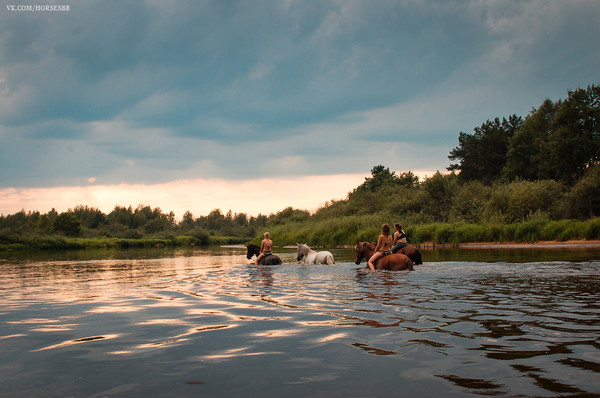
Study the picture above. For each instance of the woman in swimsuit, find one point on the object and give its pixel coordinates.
(265, 248)
(399, 238)
(384, 244)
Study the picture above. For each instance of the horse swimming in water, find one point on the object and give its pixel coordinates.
(312, 257)
(392, 262)
(254, 250)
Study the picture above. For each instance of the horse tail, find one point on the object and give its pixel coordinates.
(418, 259)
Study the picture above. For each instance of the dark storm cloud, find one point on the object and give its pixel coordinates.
(139, 91)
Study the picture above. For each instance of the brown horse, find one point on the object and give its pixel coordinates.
(413, 253)
(392, 262)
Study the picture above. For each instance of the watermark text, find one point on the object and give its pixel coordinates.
(38, 8)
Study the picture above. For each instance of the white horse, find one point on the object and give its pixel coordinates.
(312, 257)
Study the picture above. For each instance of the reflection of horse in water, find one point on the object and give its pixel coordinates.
(392, 262)
(312, 257)
(271, 259)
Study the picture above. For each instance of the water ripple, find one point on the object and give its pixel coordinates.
(448, 328)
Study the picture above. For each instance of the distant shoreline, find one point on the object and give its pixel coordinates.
(544, 245)
(550, 244)
(569, 244)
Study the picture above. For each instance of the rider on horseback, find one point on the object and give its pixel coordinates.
(265, 248)
(384, 244)
(399, 238)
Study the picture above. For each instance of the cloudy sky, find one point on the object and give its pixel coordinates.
(256, 105)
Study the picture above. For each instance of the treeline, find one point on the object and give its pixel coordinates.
(515, 179)
(558, 141)
(443, 209)
(86, 226)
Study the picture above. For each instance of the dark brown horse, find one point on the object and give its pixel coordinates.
(254, 250)
(392, 262)
(413, 253)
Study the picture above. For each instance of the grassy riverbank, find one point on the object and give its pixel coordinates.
(338, 231)
(344, 231)
(347, 230)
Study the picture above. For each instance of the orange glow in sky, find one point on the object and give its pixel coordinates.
(199, 196)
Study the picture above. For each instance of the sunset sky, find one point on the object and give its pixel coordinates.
(254, 105)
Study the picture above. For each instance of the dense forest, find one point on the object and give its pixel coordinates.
(513, 179)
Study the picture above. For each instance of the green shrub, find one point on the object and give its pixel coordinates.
(464, 233)
(592, 229)
(470, 201)
(422, 233)
(201, 236)
(444, 233)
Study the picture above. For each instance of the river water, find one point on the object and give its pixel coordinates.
(167, 323)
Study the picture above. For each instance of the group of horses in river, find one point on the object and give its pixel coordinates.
(404, 259)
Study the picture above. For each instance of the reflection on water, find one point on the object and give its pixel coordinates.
(205, 322)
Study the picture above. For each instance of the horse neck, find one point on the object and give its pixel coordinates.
(306, 250)
(368, 250)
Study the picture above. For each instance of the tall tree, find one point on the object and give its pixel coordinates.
(68, 224)
(381, 176)
(482, 155)
(528, 149)
(187, 221)
(575, 136)
(558, 141)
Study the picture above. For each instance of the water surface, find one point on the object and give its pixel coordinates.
(208, 323)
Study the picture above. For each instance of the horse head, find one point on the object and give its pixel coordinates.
(362, 250)
(302, 250)
(358, 252)
(252, 251)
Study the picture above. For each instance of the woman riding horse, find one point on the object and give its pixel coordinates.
(253, 250)
(399, 238)
(384, 246)
(392, 262)
(401, 246)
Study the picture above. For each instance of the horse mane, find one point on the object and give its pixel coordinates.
(252, 245)
(371, 245)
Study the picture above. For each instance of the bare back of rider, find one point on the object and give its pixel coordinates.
(384, 245)
(266, 247)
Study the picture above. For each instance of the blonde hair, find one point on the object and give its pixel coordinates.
(267, 235)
